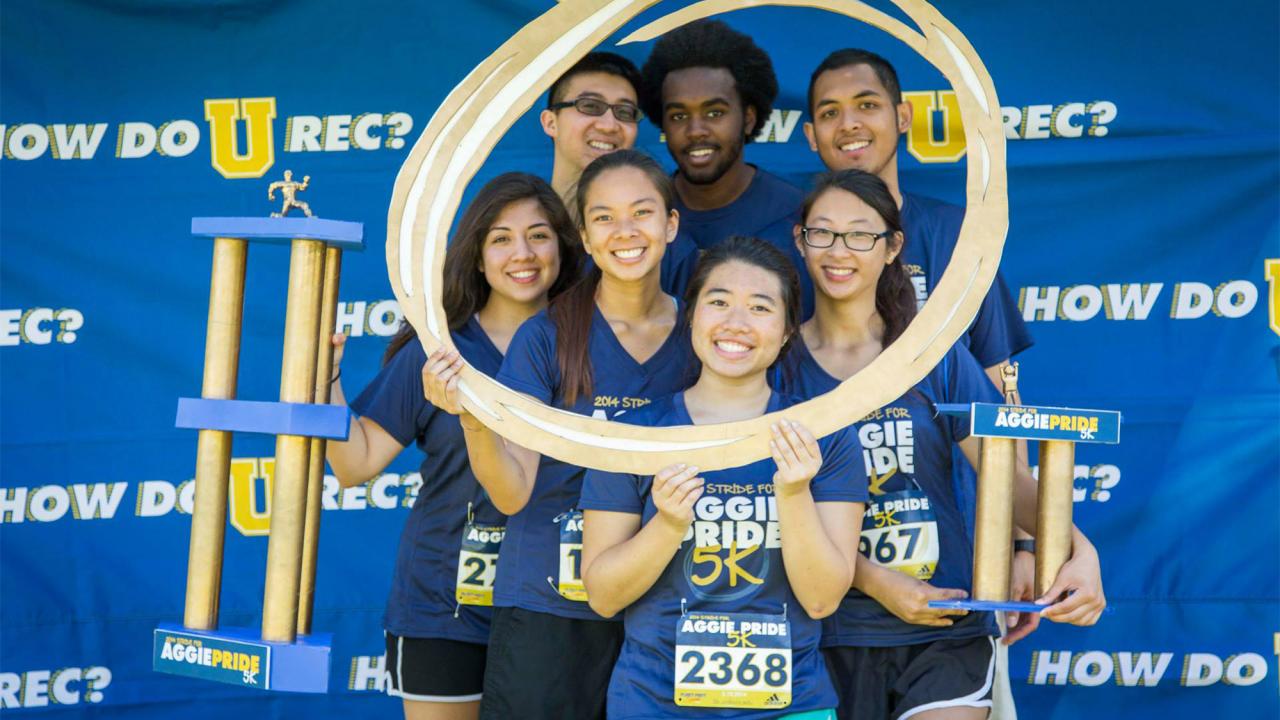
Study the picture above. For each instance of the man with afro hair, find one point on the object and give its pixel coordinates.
(710, 89)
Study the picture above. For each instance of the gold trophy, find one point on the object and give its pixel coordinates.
(1000, 427)
(283, 654)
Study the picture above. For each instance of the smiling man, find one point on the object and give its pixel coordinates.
(710, 88)
(592, 111)
(857, 118)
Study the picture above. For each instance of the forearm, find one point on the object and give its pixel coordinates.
(624, 572)
(819, 573)
(872, 579)
(350, 460)
(497, 468)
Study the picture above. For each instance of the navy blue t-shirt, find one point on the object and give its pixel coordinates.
(678, 262)
(932, 229)
(914, 522)
(422, 602)
(529, 568)
(713, 573)
(768, 209)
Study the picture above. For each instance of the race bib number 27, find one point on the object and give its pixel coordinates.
(478, 563)
(733, 660)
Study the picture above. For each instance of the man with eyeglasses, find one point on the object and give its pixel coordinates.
(592, 111)
(710, 89)
(857, 116)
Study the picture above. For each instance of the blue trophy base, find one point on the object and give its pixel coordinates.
(988, 605)
(239, 656)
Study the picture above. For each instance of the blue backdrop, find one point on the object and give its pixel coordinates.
(1143, 173)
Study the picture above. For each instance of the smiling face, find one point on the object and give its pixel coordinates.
(855, 122)
(739, 320)
(705, 122)
(520, 258)
(838, 272)
(581, 138)
(626, 224)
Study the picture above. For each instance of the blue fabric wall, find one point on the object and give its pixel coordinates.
(1159, 188)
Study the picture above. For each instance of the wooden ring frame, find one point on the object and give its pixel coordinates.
(480, 110)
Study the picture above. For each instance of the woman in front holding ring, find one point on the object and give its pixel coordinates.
(722, 575)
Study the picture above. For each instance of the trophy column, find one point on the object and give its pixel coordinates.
(213, 453)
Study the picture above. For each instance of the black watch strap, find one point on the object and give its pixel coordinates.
(1024, 546)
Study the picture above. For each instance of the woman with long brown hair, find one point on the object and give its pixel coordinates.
(514, 248)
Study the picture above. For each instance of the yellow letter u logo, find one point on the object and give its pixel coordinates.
(224, 146)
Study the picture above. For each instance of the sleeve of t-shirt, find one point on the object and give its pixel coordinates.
(678, 263)
(530, 363)
(843, 476)
(394, 399)
(966, 382)
(611, 491)
(998, 333)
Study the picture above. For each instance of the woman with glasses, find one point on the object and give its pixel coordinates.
(890, 654)
(611, 343)
(515, 247)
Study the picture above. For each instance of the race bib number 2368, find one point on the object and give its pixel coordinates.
(733, 660)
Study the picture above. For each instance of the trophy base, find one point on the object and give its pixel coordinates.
(988, 605)
(239, 656)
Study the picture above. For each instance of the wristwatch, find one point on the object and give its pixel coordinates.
(1025, 546)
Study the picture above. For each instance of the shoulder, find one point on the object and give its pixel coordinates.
(958, 370)
(410, 355)
(921, 210)
(538, 329)
(931, 206)
(779, 191)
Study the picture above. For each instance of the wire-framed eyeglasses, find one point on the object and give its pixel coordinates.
(595, 107)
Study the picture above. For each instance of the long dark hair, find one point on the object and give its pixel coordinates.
(465, 289)
(895, 295)
(572, 311)
(761, 254)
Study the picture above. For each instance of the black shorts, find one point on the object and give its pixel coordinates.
(434, 669)
(895, 683)
(543, 666)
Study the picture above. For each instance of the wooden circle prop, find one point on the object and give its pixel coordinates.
(476, 114)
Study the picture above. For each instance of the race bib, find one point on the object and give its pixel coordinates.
(570, 584)
(900, 532)
(733, 660)
(478, 563)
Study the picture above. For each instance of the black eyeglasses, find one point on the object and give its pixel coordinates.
(595, 107)
(856, 240)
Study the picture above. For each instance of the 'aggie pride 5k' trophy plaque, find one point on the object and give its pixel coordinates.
(284, 654)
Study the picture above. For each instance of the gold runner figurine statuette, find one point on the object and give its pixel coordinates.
(289, 189)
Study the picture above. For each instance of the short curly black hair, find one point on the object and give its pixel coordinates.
(710, 43)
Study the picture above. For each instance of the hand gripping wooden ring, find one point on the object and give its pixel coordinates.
(474, 117)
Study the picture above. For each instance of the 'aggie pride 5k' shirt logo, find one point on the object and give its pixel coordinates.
(734, 525)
